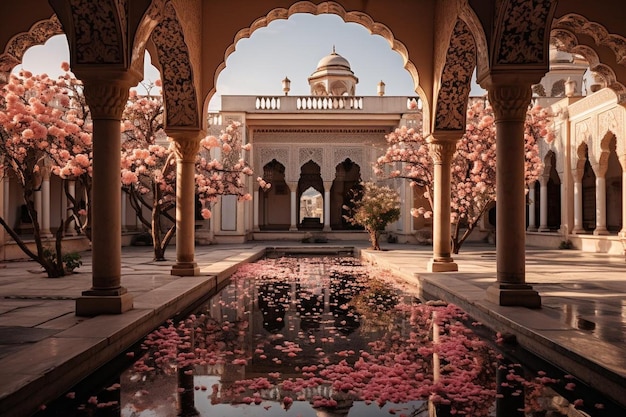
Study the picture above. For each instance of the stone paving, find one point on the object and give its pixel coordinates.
(45, 348)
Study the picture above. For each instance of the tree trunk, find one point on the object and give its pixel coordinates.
(374, 238)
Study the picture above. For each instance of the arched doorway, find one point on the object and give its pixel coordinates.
(589, 195)
(310, 189)
(274, 207)
(614, 189)
(345, 185)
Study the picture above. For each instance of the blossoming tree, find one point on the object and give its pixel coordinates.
(473, 190)
(374, 207)
(149, 168)
(45, 129)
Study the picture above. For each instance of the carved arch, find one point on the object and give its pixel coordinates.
(456, 79)
(38, 34)
(581, 158)
(179, 89)
(571, 30)
(468, 15)
(329, 7)
(605, 150)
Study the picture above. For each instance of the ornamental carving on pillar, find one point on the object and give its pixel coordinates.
(510, 102)
(456, 79)
(441, 151)
(519, 36)
(179, 90)
(106, 98)
(187, 149)
(99, 31)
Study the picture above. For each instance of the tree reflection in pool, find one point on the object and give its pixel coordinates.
(323, 336)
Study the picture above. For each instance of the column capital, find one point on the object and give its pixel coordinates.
(441, 151)
(106, 98)
(186, 143)
(510, 102)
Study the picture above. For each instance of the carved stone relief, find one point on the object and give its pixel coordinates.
(98, 32)
(179, 90)
(519, 38)
(456, 80)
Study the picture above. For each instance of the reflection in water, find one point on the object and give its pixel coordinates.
(324, 336)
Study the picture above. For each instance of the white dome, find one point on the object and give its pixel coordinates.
(333, 60)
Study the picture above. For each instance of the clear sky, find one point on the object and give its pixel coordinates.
(285, 48)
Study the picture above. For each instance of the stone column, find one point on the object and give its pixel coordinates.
(327, 186)
(187, 146)
(578, 205)
(532, 221)
(255, 210)
(510, 102)
(622, 160)
(600, 206)
(543, 204)
(45, 203)
(123, 211)
(441, 149)
(293, 187)
(106, 95)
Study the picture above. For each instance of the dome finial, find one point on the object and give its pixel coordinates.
(334, 53)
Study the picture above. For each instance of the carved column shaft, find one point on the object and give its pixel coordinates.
(532, 201)
(543, 204)
(293, 187)
(600, 207)
(441, 150)
(106, 97)
(510, 104)
(327, 186)
(187, 146)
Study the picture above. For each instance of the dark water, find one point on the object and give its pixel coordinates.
(326, 336)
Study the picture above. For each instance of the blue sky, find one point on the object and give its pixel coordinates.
(285, 48)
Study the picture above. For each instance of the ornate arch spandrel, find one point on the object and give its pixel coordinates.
(38, 34)
(99, 32)
(179, 90)
(521, 33)
(572, 30)
(456, 79)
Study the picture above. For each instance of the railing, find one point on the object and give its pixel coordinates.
(374, 104)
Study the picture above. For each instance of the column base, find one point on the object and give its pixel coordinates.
(94, 305)
(578, 231)
(293, 228)
(600, 231)
(543, 229)
(521, 295)
(442, 266)
(531, 229)
(185, 269)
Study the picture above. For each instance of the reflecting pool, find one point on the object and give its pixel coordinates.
(327, 336)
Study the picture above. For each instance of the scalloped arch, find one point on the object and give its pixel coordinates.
(565, 31)
(38, 34)
(330, 7)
